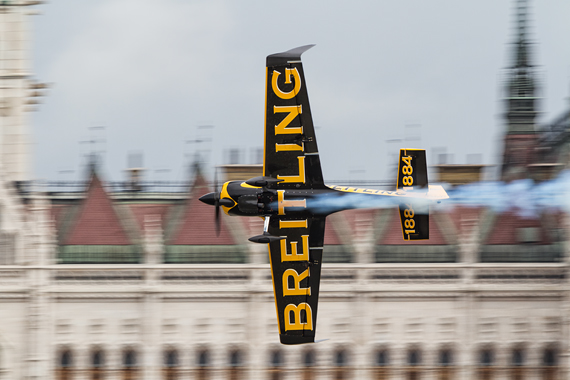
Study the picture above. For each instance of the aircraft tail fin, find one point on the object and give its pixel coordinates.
(412, 170)
(412, 177)
(414, 218)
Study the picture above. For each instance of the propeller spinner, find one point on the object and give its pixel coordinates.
(213, 199)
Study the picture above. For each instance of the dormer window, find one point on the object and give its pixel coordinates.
(528, 235)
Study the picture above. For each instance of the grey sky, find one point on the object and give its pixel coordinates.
(151, 72)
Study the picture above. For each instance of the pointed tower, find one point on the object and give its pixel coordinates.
(521, 103)
(18, 92)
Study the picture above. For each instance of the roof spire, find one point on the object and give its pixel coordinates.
(521, 101)
(521, 52)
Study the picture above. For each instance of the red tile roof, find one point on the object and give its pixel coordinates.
(331, 237)
(140, 211)
(252, 225)
(56, 212)
(465, 218)
(360, 222)
(196, 225)
(506, 225)
(97, 222)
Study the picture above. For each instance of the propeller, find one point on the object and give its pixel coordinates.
(217, 203)
(213, 199)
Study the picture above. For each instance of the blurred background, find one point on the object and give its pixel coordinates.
(115, 115)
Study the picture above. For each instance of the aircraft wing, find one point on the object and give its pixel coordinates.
(290, 152)
(296, 273)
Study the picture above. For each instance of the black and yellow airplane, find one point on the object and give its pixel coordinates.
(294, 200)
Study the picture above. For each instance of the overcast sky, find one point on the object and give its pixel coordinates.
(383, 75)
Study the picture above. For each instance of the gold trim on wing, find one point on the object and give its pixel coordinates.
(434, 192)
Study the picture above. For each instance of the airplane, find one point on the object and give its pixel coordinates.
(294, 201)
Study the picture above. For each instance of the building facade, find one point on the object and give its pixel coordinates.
(130, 281)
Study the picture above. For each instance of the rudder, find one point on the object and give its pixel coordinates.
(412, 176)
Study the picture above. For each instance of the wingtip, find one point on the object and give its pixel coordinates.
(287, 56)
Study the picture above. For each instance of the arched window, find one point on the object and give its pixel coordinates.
(65, 359)
(340, 361)
(414, 362)
(203, 365)
(517, 363)
(445, 363)
(549, 364)
(308, 361)
(486, 361)
(97, 364)
(97, 359)
(64, 365)
(203, 358)
(235, 358)
(236, 362)
(129, 364)
(309, 358)
(381, 361)
(170, 364)
(275, 364)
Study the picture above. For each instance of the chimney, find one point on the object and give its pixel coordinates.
(134, 172)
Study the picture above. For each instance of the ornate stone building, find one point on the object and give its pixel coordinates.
(130, 281)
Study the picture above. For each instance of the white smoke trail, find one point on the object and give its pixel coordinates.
(347, 201)
(526, 198)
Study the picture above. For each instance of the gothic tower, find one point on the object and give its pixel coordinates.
(18, 92)
(521, 103)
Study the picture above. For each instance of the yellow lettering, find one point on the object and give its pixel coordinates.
(292, 112)
(289, 147)
(295, 178)
(288, 73)
(293, 256)
(296, 309)
(282, 203)
(293, 223)
(297, 278)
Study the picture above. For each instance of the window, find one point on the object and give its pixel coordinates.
(486, 360)
(203, 372)
(170, 364)
(382, 361)
(340, 363)
(445, 363)
(64, 365)
(414, 359)
(236, 363)
(276, 362)
(549, 364)
(129, 364)
(97, 365)
(517, 363)
(308, 361)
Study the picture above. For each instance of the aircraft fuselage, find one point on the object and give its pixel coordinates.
(257, 201)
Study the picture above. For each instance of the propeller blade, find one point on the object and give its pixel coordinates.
(217, 203)
(218, 226)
